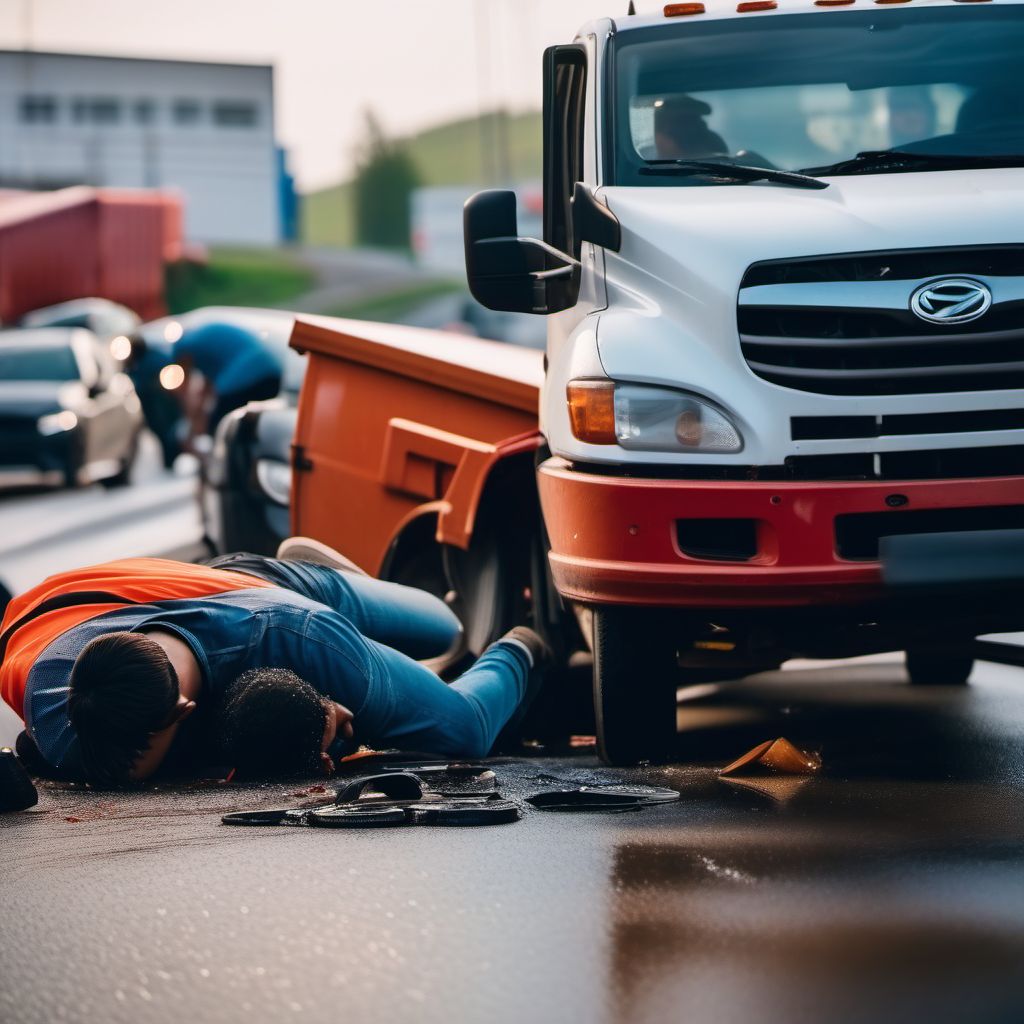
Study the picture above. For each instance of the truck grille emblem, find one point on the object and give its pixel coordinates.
(953, 300)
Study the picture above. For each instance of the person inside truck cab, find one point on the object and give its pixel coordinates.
(993, 108)
(680, 131)
(117, 668)
(912, 115)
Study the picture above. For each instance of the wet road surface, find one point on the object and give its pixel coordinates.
(890, 889)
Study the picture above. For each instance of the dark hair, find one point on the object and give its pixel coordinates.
(272, 723)
(122, 690)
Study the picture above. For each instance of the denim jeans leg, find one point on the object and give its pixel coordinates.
(413, 621)
(420, 712)
(410, 620)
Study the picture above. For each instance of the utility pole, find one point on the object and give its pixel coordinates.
(27, 11)
(481, 16)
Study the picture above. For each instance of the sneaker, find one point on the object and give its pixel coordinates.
(542, 657)
(305, 549)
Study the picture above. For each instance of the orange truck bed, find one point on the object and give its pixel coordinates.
(396, 423)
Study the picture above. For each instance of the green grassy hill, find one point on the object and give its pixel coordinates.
(450, 154)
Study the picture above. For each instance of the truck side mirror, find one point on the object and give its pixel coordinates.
(593, 221)
(506, 272)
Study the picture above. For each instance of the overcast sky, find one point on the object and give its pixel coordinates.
(415, 62)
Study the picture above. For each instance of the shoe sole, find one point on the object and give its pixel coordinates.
(305, 549)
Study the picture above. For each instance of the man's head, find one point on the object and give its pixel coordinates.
(680, 131)
(274, 723)
(123, 690)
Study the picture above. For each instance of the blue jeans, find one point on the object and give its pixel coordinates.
(412, 708)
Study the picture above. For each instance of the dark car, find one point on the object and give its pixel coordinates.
(248, 478)
(66, 411)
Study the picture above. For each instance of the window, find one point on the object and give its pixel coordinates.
(96, 110)
(38, 363)
(104, 110)
(235, 114)
(145, 111)
(186, 112)
(38, 109)
(940, 81)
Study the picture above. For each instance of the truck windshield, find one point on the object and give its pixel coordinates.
(812, 92)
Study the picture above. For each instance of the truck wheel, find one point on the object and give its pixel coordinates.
(932, 667)
(635, 676)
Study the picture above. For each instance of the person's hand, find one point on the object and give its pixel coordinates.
(339, 723)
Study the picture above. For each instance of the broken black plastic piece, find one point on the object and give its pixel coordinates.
(17, 791)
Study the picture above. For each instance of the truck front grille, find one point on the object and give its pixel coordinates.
(842, 325)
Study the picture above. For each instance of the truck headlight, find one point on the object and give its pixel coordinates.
(57, 423)
(275, 479)
(639, 417)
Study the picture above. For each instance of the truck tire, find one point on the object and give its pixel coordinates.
(635, 677)
(935, 667)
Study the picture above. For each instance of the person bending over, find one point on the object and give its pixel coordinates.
(237, 366)
(120, 668)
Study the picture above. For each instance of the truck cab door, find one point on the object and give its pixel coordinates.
(566, 114)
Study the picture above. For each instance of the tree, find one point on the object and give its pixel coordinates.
(384, 179)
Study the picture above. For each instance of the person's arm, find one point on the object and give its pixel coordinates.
(196, 397)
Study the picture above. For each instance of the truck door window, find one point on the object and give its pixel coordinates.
(800, 91)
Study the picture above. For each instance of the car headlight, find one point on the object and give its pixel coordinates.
(639, 417)
(275, 479)
(56, 423)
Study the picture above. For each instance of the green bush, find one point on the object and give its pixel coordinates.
(237, 277)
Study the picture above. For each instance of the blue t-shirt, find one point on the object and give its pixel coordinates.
(232, 357)
(228, 634)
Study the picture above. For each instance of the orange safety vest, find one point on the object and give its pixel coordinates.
(135, 580)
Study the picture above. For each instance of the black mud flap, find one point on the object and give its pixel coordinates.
(983, 558)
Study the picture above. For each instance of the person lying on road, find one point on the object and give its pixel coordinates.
(114, 667)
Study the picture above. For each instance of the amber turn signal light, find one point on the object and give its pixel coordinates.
(592, 410)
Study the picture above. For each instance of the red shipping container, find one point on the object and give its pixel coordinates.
(82, 242)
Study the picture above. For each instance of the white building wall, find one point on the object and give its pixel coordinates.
(227, 173)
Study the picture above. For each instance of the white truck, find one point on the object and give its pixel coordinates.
(783, 403)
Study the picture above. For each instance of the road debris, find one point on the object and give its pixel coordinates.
(394, 798)
(17, 793)
(606, 799)
(775, 756)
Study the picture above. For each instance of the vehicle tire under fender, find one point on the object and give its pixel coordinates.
(938, 667)
(635, 679)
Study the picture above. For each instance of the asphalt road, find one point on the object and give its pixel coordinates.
(891, 888)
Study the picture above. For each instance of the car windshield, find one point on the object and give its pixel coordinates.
(804, 92)
(44, 363)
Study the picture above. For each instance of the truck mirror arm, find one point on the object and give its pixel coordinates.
(592, 221)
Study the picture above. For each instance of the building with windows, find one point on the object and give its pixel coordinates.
(204, 129)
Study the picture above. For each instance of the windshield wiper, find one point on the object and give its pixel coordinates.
(873, 161)
(738, 172)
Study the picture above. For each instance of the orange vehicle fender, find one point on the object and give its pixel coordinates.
(412, 451)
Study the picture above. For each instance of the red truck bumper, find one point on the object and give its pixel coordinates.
(622, 540)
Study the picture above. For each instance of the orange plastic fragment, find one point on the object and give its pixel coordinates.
(779, 756)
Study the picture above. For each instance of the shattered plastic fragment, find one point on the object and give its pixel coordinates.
(779, 756)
